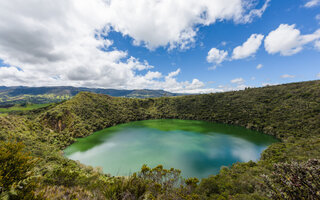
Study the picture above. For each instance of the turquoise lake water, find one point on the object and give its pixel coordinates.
(197, 148)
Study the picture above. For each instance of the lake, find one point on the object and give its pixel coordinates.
(197, 148)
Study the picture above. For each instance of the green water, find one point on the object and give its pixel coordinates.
(197, 148)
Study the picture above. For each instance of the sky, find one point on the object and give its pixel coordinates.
(184, 46)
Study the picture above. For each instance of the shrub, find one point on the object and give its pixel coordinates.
(295, 180)
(16, 181)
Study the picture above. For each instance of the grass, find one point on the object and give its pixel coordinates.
(4, 111)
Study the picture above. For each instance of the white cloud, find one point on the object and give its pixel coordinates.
(259, 66)
(318, 75)
(61, 43)
(153, 75)
(232, 87)
(312, 3)
(216, 56)
(287, 40)
(255, 12)
(155, 23)
(249, 48)
(65, 42)
(238, 81)
(287, 76)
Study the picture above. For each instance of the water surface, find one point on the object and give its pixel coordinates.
(197, 148)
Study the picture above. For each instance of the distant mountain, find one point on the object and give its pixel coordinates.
(22, 94)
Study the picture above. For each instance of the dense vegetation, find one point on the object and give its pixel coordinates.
(290, 112)
(20, 108)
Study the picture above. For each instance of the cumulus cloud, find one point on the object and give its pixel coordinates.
(61, 43)
(238, 81)
(153, 75)
(287, 40)
(155, 23)
(287, 76)
(216, 56)
(259, 66)
(65, 42)
(249, 48)
(312, 3)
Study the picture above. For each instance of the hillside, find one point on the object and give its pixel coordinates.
(37, 95)
(290, 112)
(284, 111)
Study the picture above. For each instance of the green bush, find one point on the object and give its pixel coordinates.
(294, 180)
(16, 181)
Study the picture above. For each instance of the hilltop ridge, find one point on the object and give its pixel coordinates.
(22, 94)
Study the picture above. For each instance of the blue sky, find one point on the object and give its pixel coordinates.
(304, 65)
(136, 44)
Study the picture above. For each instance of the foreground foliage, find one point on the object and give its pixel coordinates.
(16, 181)
(292, 180)
(289, 112)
